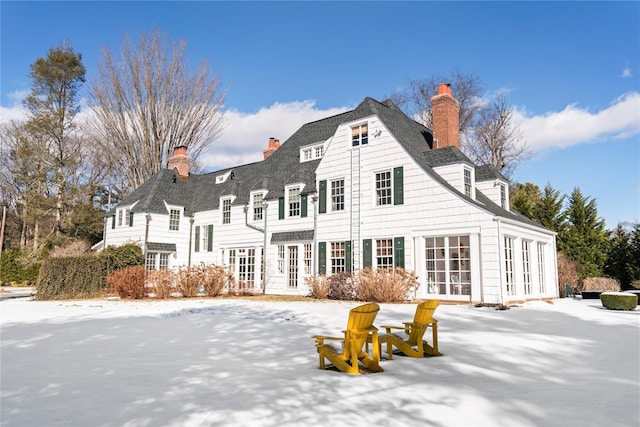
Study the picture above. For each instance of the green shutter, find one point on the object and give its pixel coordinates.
(210, 238)
(398, 252)
(303, 206)
(281, 208)
(130, 219)
(113, 221)
(322, 208)
(347, 256)
(196, 246)
(366, 253)
(322, 257)
(398, 186)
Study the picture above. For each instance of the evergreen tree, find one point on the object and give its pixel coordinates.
(550, 213)
(584, 240)
(634, 255)
(526, 199)
(619, 263)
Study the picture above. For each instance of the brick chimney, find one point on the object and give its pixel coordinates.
(179, 161)
(274, 144)
(444, 119)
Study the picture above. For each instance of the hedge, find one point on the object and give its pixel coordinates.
(70, 278)
(619, 300)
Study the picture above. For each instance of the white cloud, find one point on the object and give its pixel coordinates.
(575, 125)
(626, 72)
(246, 135)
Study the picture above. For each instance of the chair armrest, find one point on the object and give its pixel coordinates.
(321, 338)
(389, 328)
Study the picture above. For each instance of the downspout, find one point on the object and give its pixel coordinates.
(500, 260)
(314, 252)
(264, 241)
(191, 220)
(146, 234)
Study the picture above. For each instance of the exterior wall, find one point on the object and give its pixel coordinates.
(492, 191)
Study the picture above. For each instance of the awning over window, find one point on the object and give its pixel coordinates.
(161, 247)
(292, 236)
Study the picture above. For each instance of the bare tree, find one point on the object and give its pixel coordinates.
(148, 102)
(496, 139)
(488, 131)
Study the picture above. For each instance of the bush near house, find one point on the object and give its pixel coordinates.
(385, 285)
(162, 283)
(70, 278)
(216, 279)
(318, 286)
(128, 282)
(605, 284)
(342, 286)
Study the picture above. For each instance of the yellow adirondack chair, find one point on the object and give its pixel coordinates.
(359, 329)
(413, 344)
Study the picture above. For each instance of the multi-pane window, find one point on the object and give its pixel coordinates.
(280, 259)
(174, 219)
(246, 268)
(459, 265)
(383, 188)
(541, 278)
(120, 213)
(307, 258)
(448, 265)
(319, 151)
(292, 277)
(232, 260)
(204, 235)
(337, 195)
(307, 153)
(503, 196)
(150, 261)
(467, 182)
(226, 211)
(384, 253)
(359, 135)
(164, 261)
(257, 207)
(337, 257)
(526, 266)
(508, 259)
(294, 202)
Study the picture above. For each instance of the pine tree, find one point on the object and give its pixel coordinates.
(584, 240)
(526, 199)
(619, 263)
(550, 213)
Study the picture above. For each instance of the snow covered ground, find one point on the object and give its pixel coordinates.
(228, 362)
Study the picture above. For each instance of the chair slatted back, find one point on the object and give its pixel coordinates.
(421, 320)
(359, 325)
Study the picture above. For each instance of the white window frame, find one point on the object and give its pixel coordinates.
(526, 267)
(337, 257)
(225, 209)
(281, 259)
(294, 202)
(257, 200)
(504, 201)
(308, 258)
(337, 194)
(360, 135)
(384, 253)
(380, 179)
(174, 219)
(467, 181)
(542, 286)
(509, 265)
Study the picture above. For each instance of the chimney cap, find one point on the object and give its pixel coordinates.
(445, 88)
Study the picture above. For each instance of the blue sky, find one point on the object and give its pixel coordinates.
(571, 69)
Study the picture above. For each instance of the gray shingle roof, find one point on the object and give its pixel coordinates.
(292, 236)
(283, 167)
(161, 247)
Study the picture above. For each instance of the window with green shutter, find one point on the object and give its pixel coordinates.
(210, 238)
(366, 253)
(196, 238)
(322, 207)
(398, 252)
(303, 205)
(130, 219)
(347, 256)
(322, 257)
(398, 186)
(281, 208)
(113, 221)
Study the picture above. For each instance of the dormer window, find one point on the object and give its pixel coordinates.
(359, 135)
(467, 182)
(223, 178)
(313, 152)
(294, 201)
(503, 196)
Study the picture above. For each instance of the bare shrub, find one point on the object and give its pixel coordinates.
(71, 249)
(342, 286)
(216, 279)
(386, 285)
(605, 284)
(567, 274)
(318, 286)
(190, 279)
(128, 282)
(162, 283)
